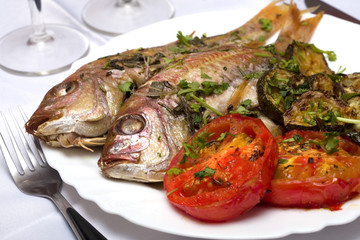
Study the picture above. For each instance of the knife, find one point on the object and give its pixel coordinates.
(330, 10)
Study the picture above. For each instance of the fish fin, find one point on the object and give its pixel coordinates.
(252, 34)
(296, 29)
(87, 142)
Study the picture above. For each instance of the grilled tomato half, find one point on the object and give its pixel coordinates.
(223, 170)
(315, 169)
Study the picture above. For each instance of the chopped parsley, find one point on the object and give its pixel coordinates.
(291, 65)
(244, 107)
(330, 143)
(262, 55)
(270, 48)
(266, 24)
(252, 75)
(296, 138)
(175, 64)
(199, 142)
(348, 96)
(204, 75)
(169, 60)
(174, 171)
(282, 161)
(194, 90)
(223, 135)
(331, 54)
(183, 39)
(126, 87)
(207, 172)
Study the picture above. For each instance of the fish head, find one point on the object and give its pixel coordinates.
(142, 141)
(81, 107)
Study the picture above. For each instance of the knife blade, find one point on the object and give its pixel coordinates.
(328, 9)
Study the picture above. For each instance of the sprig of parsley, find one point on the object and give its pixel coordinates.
(194, 90)
(183, 39)
(330, 143)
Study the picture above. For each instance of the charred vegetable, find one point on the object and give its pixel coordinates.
(223, 170)
(315, 169)
(351, 86)
(315, 110)
(324, 82)
(277, 89)
(309, 58)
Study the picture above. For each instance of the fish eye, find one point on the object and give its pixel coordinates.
(131, 124)
(67, 88)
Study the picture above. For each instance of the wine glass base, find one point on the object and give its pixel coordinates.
(107, 17)
(17, 55)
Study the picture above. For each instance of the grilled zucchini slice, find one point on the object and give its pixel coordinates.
(316, 110)
(277, 89)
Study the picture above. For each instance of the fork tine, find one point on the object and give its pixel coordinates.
(23, 146)
(7, 148)
(32, 143)
(5, 156)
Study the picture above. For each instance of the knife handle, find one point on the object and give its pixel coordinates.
(82, 229)
(87, 231)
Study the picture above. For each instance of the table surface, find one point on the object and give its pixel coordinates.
(24, 216)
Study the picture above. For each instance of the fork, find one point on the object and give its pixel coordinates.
(33, 175)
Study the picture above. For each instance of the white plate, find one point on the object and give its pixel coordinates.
(146, 204)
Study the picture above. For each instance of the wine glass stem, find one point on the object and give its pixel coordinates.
(124, 3)
(39, 34)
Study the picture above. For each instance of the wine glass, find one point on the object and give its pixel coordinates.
(40, 50)
(119, 16)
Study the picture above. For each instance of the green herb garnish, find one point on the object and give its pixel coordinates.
(223, 135)
(348, 96)
(266, 24)
(193, 90)
(243, 108)
(295, 138)
(174, 171)
(282, 161)
(207, 172)
(331, 54)
(330, 143)
(184, 40)
(204, 75)
(126, 87)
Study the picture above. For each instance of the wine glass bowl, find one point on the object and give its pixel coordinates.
(40, 50)
(120, 16)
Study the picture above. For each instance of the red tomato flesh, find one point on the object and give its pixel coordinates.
(229, 176)
(308, 177)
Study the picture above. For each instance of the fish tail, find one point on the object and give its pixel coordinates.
(256, 30)
(253, 33)
(295, 28)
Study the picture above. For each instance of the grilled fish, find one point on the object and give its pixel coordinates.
(80, 110)
(148, 133)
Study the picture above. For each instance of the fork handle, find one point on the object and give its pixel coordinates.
(82, 229)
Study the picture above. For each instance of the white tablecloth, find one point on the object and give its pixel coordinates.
(27, 217)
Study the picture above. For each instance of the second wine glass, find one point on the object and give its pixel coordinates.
(121, 16)
(40, 49)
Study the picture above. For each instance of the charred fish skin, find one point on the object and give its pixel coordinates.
(62, 122)
(155, 139)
